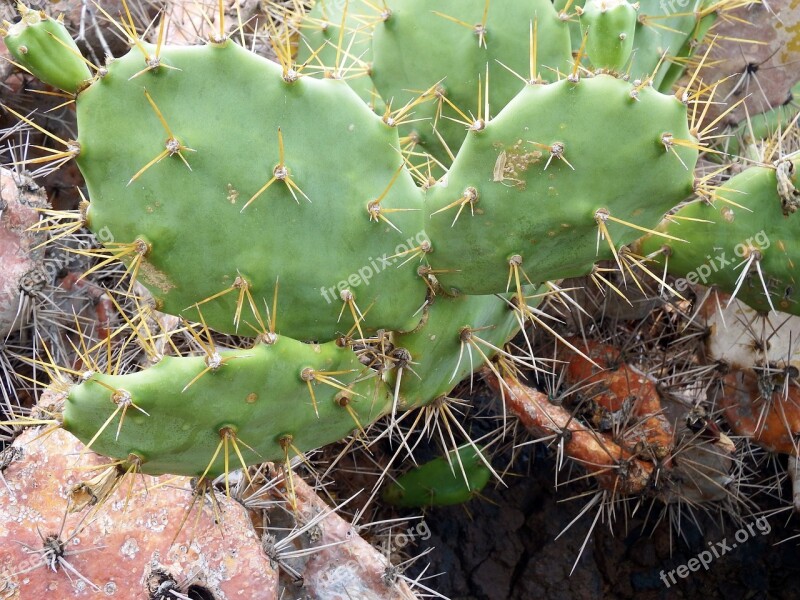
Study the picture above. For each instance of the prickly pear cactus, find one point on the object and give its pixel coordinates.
(443, 481)
(336, 42)
(741, 243)
(666, 34)
(352, 232)
(455, 334)
(552, 178)
(609, 27)
(43, 45)
(367, 286)
(193, 416)
(269, 179)
(474, 39)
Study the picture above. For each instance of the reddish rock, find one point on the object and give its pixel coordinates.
(21, 261)
(117, 551)
(338, 563)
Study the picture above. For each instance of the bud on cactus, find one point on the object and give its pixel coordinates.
(42, 45)
(609, 26)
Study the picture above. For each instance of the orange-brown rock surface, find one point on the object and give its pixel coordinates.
(121, 550)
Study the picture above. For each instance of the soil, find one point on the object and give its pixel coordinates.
(503, 545)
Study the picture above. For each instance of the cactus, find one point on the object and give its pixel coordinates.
(443, 481)
(168, 419)
(746, 136)
(337, 42)
(534, 174)
(370, 252)
(47, 50)
(472, 37)
(456, 336)
(605, 20)
(742, 243)
(359, 194)
(153, 142)
(666, 34)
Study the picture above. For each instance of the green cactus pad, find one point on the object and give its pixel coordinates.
(539, 172)
(697, 36)
(319, 49)
(440, 482)
(417, 46)
(745, 137)
(440, 349)
(726, 237)
(42, 45)
(226, 109)
(260, 394)
(665, 28)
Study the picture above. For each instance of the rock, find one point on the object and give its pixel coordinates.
(121, 549)
(22, 262)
